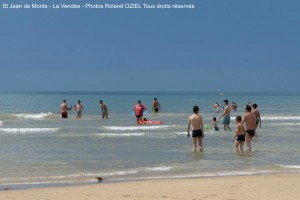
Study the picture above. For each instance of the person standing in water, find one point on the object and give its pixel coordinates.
(156, 106)
(196, 122)
(64, 109)
(78, 108)
(239, 137)
(256, 112)
(249, 121)
(226, 115)
(139, 109)
(104, 109)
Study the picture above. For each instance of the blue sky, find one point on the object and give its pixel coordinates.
(222, 45)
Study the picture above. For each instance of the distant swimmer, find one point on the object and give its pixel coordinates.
(78, 109)
(64, 109)
(226, 115)
(256, 112)
(196, 122)
(233, 106)
(217, 107)
(139, 109)
(239, 137)
(214, 123)
(249, 121)
(104, 109)
(156, 106)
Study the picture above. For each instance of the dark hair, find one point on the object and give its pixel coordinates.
(79, 101)
(254, 105)
(248, 108)
(238, 118)
(226, 101)
(215, 119)
(196, 109)
(139, 101)
(155, 99)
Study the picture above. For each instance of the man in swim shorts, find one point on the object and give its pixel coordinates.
(256, 112)
(104, 109)
(249, 121)
(226, 115)
(64, 108)
(196, 122)
(155, 106)
(139, 109)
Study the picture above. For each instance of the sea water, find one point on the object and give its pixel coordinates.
(39, 149)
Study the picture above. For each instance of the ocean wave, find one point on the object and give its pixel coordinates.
(158, 168)
(289, 124)
(28, 130)
(290, 166)
(119, 134)
(133, 128)
(33, 116)
(279, 118)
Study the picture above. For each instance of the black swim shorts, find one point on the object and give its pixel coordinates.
(251, 132)
(197, 133)
(240, 138)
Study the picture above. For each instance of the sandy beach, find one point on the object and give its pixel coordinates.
(272, 186)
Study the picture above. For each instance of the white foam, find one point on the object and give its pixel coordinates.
(33, 116)
(120, 134)
(290, 124)
(158, 168)
(28, 130)
(290, 166)
(133, 128)
(281, 118)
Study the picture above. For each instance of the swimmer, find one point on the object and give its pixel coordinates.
(64, 109)
(256, 112)
(78, 109)
(104, 109)
(249, 121)
(214, 123)
(239, 137)
(226, 115)
(139, 109)
(196, 122)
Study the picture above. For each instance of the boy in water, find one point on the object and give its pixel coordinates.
(196, 122)
(104, 109)
(226, 115)
(256, 112)
(239, 135)
(78, 109)
(215, 124)
(155, 106)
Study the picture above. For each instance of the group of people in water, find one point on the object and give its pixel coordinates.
(246, 125)
(139, 109)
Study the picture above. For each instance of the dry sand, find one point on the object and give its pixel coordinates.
(273, 187)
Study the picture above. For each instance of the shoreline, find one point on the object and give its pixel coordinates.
(264, 186)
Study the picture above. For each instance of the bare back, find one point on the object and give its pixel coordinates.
(196, 122)
(249, 121)
(227, 111)
(63, 107)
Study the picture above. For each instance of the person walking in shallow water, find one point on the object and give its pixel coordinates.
(256, 112)
(64, 109)
(78, 108)
(226, 115)
(249, 121)
(155, 106)
(196, 122)
(104, 109)
(139, 109)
